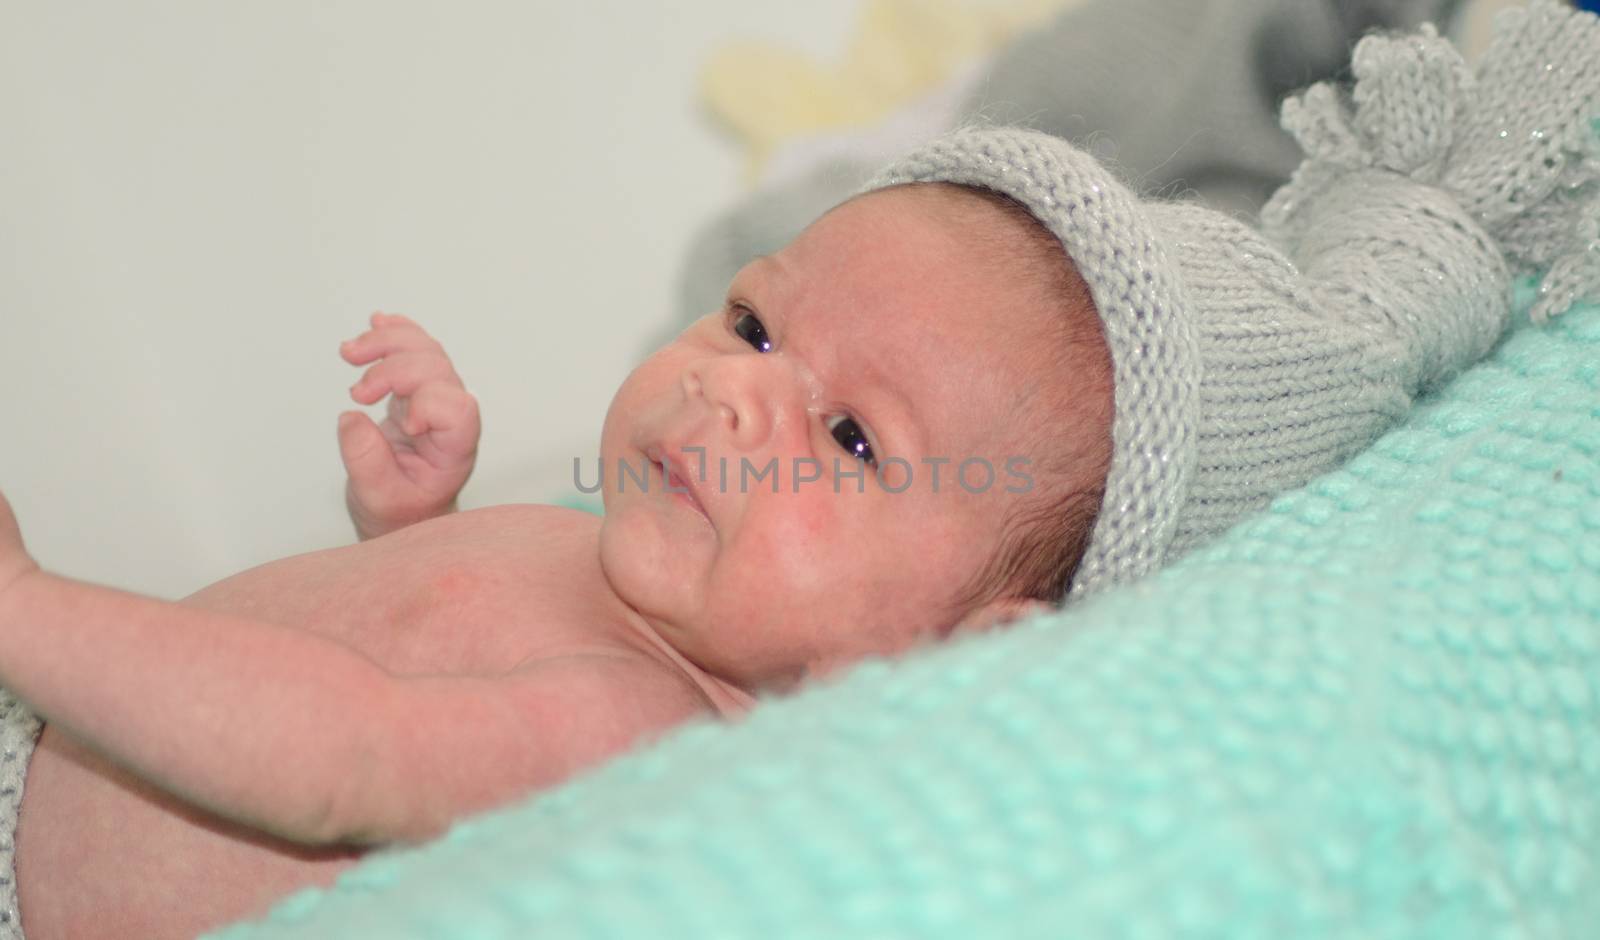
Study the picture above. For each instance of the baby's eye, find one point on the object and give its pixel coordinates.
(852, 438)
(750, 329)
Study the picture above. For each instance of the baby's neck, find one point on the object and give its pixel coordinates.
(728, 699)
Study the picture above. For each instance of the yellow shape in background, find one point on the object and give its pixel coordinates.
(767, 95)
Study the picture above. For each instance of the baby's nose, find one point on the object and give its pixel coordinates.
(737, 395)
(753, 396)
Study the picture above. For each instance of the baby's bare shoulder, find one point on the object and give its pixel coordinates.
(583, 708)
(610, 675)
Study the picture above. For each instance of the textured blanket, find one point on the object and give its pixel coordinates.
(1371, 711)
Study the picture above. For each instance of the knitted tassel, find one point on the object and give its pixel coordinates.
(1516, 143)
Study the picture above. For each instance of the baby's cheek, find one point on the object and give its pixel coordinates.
(948, 530)
(814, 518)
(800, 536)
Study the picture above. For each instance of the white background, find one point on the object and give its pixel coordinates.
(200, 200)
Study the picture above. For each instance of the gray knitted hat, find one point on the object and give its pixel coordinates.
(1247, 362)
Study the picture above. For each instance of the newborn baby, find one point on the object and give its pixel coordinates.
(1134, 375)
(248, 740)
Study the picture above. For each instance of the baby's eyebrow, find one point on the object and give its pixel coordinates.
(758, 271)
(778, 270)
(886, 395)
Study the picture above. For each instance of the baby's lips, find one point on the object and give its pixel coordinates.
(675, 475)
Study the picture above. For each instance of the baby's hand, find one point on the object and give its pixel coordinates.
(14, 559)
(410, 467)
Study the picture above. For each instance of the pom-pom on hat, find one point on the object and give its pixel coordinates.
(1247, 362)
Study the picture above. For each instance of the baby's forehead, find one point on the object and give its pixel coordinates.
(969, 367)
(966, 312)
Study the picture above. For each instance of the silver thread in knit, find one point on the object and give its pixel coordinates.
(19, 731)
(1247, 362)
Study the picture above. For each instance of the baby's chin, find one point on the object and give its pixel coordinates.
(650, 564)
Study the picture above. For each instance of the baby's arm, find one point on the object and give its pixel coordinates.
(411, 466)
(295, 734)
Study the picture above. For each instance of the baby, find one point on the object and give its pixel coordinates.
(252, 737)
(994, 382)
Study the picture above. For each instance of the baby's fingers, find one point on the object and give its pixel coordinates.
(368, 458)
(390, 334)
(448, 413)
(402, 374)
(14, 558)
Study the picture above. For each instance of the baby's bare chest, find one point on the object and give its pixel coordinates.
(473, 593)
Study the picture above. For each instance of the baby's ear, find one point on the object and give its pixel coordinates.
(1000, 611)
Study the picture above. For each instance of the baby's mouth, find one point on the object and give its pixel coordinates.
(677, 482)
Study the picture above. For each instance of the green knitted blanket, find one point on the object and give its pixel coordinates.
(1371, 711)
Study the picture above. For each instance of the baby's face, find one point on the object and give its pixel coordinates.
(846, 366)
